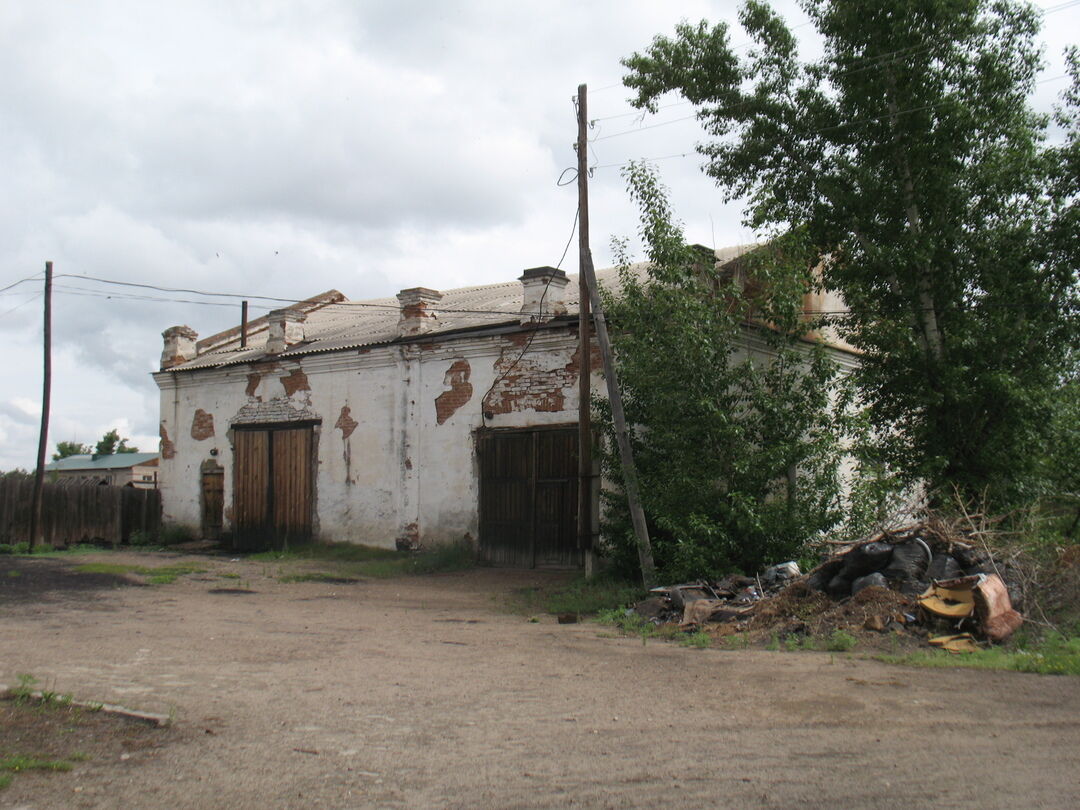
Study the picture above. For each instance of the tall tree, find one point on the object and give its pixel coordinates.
(112, 443)
(911, 157)
(65, 449)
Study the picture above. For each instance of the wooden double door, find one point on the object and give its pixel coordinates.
(273, 486)
(528, 498)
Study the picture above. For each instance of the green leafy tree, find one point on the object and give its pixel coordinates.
(738, 453)
(911, 158)
(65, 449)
(112, 443)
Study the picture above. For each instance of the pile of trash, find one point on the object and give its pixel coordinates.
(922, 581)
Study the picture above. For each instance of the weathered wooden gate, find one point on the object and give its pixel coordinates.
(528, 497)
(212, 484)
(273, 487)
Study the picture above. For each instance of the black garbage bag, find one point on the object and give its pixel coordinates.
(866, 558)
(944, 566)
(874, 579)
(909, 562)
(839, 586)
(819, 580)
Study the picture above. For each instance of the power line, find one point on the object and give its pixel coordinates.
(20, 281)
(23, 304)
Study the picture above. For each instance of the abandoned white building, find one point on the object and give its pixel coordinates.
(428, 418)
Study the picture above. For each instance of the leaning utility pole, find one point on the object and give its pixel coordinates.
(618, 416)
(43, 436)
(585, 460)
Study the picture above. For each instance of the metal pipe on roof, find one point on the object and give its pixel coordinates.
(243, 324)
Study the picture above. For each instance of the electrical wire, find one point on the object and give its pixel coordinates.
(21, 281)
(23, 304)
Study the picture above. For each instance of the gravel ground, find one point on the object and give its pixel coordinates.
(424, 692)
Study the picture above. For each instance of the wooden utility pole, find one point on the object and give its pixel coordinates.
(46, 391)
(585, 460)
(626, 453)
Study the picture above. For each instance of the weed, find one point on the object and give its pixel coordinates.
(1055, 655)
(699, 639)
(581, 595)
(229, 575)
(25, 689)
(14, 573)
(141, 538)
(840, 641)
(774, 643)
(5, 780)
(173, 533)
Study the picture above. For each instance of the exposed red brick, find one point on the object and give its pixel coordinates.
(168, 449)
(345, 423)
(295, 380)
(527, 385)
(253, 384)
(202, 425)
(459, 392)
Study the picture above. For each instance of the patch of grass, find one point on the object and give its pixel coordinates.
(14, 573)
(161, 575)
(378, 563)
(335, 552)
(17, 763)
(631, 624)
(1054, 655)
(5, 780)
(229, 575)
(581, 596)
(317, 576)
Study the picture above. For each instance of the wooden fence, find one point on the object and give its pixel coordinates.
(78, 514)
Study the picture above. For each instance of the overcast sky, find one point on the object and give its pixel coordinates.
(286, 148)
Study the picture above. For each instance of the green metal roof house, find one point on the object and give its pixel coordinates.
(137, 470)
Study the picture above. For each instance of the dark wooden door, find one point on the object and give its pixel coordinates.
(213, 499)
(528, 498)
(273, 490)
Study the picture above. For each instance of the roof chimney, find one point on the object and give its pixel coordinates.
(544, 291)
(285, 328)
(418, 313)
(179, 346)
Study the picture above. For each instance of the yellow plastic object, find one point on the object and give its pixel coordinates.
(952, 603)
(959, 643)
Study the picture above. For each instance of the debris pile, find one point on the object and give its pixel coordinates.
(922, 581)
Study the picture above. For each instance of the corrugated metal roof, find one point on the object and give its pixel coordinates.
(116, 461)
(330, 326)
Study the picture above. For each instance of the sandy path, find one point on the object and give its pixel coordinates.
(422, 693)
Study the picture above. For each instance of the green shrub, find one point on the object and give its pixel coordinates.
(173, 533)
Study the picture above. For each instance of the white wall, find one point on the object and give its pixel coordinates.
(399, 473)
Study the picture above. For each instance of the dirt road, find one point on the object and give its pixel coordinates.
(425, 693)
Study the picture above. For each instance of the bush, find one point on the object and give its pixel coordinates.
(173, 533)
